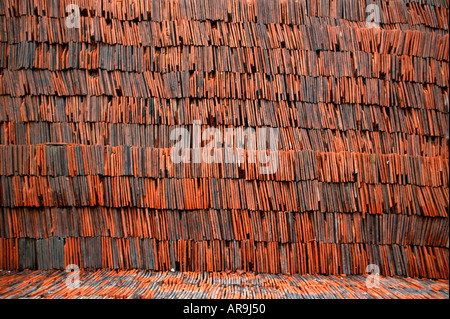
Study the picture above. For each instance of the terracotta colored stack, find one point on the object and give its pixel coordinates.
(86, 174)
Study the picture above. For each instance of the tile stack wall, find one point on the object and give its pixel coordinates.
(86, 175)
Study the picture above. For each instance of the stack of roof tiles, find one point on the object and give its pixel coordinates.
(362, 115)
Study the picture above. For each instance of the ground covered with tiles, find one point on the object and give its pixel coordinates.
(140, 284)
